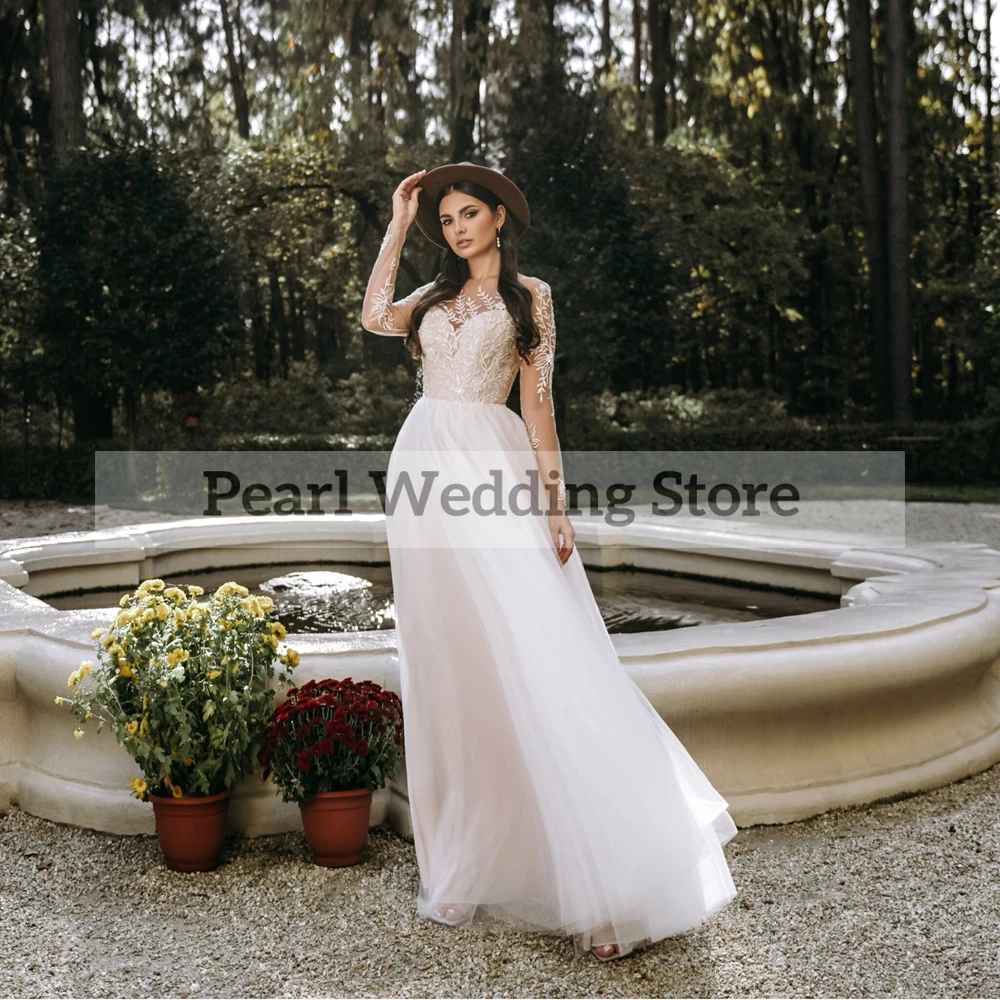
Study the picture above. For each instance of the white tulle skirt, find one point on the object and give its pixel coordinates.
(544, 788)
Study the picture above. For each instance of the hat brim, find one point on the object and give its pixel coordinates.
(505, 189)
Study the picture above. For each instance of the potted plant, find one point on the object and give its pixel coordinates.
(328, 747)
(184, 685)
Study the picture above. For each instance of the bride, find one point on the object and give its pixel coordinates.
(544, 788)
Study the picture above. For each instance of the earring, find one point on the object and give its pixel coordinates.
(498, 237)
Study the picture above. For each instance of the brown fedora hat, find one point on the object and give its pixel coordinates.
(432, 182)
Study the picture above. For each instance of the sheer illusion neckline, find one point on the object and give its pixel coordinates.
(467, 305)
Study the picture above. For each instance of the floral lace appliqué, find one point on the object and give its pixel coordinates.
(469, 354)
(381, 305)
(543, 356)
(465, 306)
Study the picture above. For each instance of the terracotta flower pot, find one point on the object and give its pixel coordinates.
(191, 830)
(336, 825)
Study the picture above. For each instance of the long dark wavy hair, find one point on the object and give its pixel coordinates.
(454, 273)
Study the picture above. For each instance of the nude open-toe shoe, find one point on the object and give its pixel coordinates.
(453, 916)
(603, 954)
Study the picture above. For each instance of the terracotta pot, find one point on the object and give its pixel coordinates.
(191, 830)
(336, 825)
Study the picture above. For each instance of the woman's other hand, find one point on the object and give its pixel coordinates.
(559, 524)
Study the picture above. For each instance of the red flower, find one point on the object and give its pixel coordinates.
(324, 748)
(304, 760)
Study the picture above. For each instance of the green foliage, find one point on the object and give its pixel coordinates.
(369, 401)
(131, 282)
(185, 685)
(709, 237)
(665, 410)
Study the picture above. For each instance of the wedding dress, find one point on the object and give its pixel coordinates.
(544, 788)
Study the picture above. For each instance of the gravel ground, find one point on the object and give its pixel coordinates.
(892, 900)
(895, 899)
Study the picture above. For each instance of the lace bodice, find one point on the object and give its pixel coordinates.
(469, 351)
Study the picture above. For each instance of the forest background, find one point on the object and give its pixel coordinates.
(767, 224)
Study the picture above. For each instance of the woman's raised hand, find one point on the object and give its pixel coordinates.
(404, 199)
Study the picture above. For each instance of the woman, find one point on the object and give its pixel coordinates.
(544, 788)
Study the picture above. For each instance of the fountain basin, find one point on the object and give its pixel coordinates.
(894, 692)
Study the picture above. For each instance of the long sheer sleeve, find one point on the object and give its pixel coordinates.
(379, 314)
(537, 406)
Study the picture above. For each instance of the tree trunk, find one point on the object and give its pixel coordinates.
(898, 243)
(472, 60)
(658, 71)
(637, 65)
(605, 63)
(236, 80)
(62, 23)
(296, 298)
(278, 321)
(988, 116)
(872, 186)
(262, 353)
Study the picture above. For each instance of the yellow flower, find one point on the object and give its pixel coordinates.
(108, 641)
(124, 600)
(225, 660)
(278, 629)
(132, 726)
(266, 603)
(73, 679)
(147, 585)
(212, 674)
(85, 667)
(144, 725)
(125, 668)
(145, 702)
(293, 657)
(123, 618)
(175, 791)
(188, 761)
(139, 786)
(195, 591)
(228, 589)
(180, 616)
(59, 700)
(97, 633)
(146, 615)
(174, 594)
(162, 611)
(78, 733)
(274, 641)
(90, 715)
